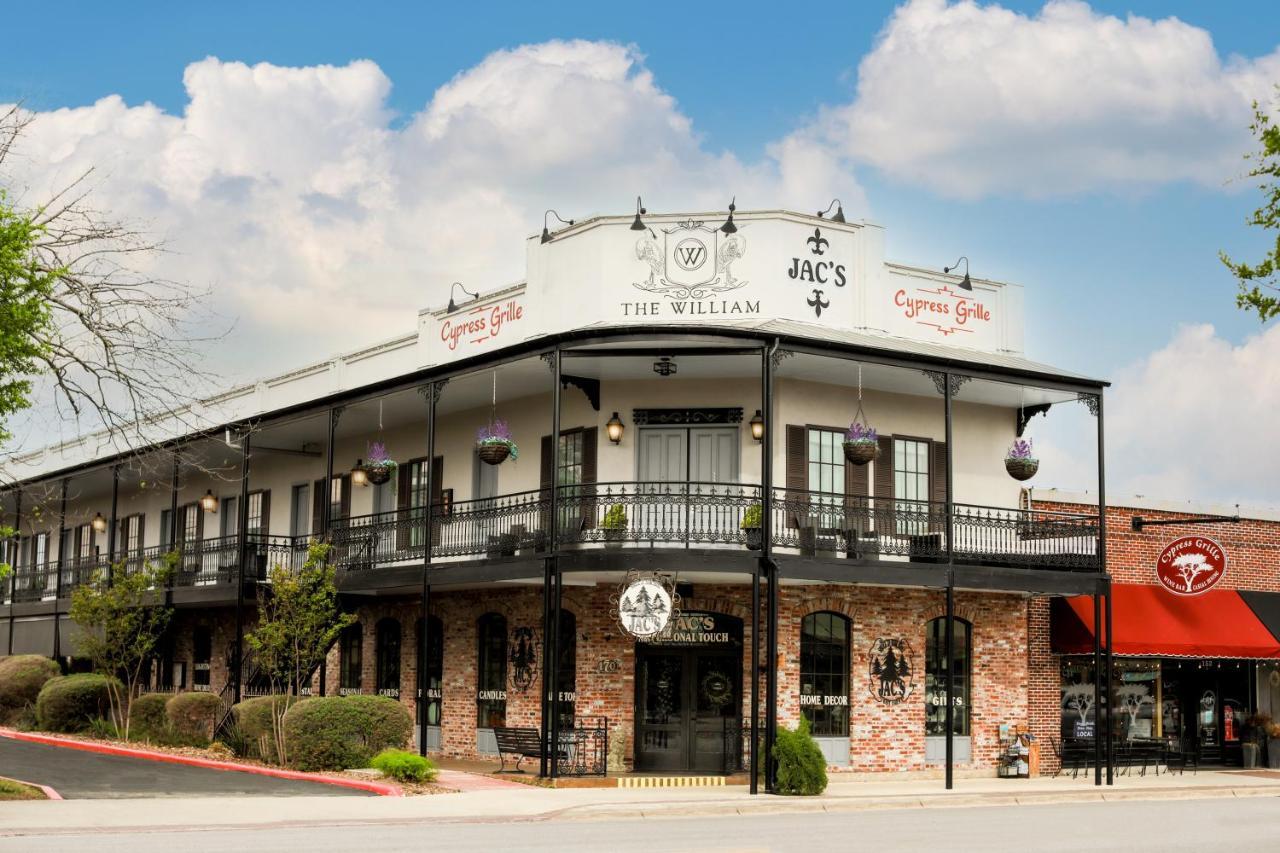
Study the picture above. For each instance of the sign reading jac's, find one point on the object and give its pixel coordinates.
(1191, 565)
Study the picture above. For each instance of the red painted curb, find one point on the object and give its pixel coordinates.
(49, 793)
(382, 789)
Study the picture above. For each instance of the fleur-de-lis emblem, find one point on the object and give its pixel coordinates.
(817, 303)
(818, 241)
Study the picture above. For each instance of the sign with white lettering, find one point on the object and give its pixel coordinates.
(644, 608)
(1191, 565)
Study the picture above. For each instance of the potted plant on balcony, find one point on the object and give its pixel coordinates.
(378, 466)
(752, 527)
(614, 523)
(861, 443)
(1020, 461)
(494, 443)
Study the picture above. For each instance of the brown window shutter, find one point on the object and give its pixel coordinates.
(437, 496)
(344, 496)
(142, 531)
(797, 474)
(938, 483)
(199, 511)
(265, 526)
(403, 517)
(318, 496)
(856, 488)
(856, 479)
(590, 444)
(545, 476)
(883, 502)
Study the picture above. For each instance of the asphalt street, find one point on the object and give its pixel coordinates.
(1170, 826)
(76, 774)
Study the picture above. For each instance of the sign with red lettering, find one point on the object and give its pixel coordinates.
(949, 311)
(1191, 565)
(480, 324)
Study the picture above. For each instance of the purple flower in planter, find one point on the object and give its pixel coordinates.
(377, 454)
(860, 433)
(496, 431)
(1020, 449)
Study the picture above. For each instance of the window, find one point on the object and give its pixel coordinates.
(349, 662)
(826, 461)
(417, 499)
(491, 675)
(300, 510)
(257, 520)
(569, 470)
(131, 534)
(567, 664)
(435, 666)
(387, 639)
(202, 656)
(84, 543)
(935, 674)
(824, 674)
(911, 485)
(189, 524)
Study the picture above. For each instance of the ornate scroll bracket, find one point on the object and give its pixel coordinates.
(1091, 402)
(778, 356)
(1029, 412)
(939, 380)
(684, 417)
(588, 386)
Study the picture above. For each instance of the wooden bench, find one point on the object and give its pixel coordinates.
(521, 743)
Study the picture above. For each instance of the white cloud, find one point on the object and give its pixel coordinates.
(1195, 420)
(322, 223)
(972, 100)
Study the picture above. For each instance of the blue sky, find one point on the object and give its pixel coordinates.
(1113, 267)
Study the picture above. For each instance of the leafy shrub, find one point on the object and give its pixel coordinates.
(615, 518)
(802, 769)
(234, 739)
(147, 718)
(221, 751)
(753, 517)
(103, 729)
(404, 766)
(70, 703)
(253, 724)
(192, 717)
(21, 677)
(337, 732)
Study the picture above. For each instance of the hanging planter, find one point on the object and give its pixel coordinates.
(861, 443)
(494, 443)
(378, 466)
(752, 527)
(614, 523)
(1020, 461)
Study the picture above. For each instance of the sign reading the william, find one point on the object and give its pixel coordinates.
(691, 265)
(891, 670)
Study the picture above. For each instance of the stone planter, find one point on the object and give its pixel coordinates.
(754, 537)
(1273, 753)
(614, 535)
(1250, 754)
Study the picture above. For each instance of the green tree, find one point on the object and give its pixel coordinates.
(26, 320)
(299, 619)
(121, 620)
(1258, 282)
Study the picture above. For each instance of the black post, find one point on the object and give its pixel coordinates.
(424, 642)
(173, 501)
(14, 560)
(1107, 689)
(754, 745)
(242, 524)
(1097, 684)
(766, 515)
(115, 508)
(771, 570)
(557, 600)
(550, 572)
(326, 505)
(949, 643)
(62, 561)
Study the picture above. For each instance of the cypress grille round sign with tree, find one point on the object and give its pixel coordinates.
(1191, 565)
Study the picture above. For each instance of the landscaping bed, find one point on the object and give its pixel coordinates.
(11, 790)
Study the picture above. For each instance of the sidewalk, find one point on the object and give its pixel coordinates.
(532, 803)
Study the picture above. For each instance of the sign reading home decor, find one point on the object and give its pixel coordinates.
(891, 670)
(646, 604)
(1191, 565)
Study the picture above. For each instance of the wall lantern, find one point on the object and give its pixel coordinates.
(615, 428)
(209, 503)
(546, 234)
(453, 306)
(664, 366)
(966, 284)
(728, 227)
(638, 225)
(99, 523)
(839, 217)
(757, 426)
(359, 477)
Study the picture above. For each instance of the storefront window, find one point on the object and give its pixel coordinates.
(202, 656)
(824, 674)
(435, 666)
(387, 637)
(491, 676)
(566, 665)
(349, 663)
(935, 677)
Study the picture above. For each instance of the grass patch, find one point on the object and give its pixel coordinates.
(10, 790)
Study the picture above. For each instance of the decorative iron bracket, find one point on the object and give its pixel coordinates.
(778, 356)
(588, 386)
(686, 417)
(1090, 402)
(939, 379)
(1026, 413)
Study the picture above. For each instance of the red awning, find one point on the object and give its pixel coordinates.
(1149, 620)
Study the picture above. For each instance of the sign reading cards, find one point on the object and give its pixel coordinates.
(1191, 565)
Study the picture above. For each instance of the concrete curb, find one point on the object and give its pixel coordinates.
(382, 789)
(49, 793)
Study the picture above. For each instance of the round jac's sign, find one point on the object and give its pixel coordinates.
(1191, 565)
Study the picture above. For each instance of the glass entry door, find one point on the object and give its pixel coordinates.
(687, 709)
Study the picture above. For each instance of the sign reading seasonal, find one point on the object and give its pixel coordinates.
(1191, 565)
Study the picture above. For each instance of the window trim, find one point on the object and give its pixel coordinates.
(806, 710)
(962, 722)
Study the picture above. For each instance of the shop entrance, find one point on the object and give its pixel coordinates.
(689, 696)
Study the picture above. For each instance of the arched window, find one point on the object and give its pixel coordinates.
(567, 664)
(387, 639)
(349, 659)
(935, 675)
(434, 671)
(491, 671)
(824, 673)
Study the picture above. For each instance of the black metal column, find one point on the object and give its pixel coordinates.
(557, 601)
(173, 501)
(432, 391)
(1107, 689)
(771, 568)
(1102, 563)
(242, 524)
(948, 652)
(1097, 684)
(550, 573)
(326, 505)
(14, 559)
(115, 508)
(949, 643)
(766, 505)
(754, 745)
(62, 561)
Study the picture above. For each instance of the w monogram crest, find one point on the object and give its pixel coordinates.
(692, 261)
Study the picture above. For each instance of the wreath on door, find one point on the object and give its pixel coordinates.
(717, 689)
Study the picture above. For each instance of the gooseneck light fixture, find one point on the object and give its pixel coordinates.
(99, 523)
(359, 476)
(965, 284)
(728, 227)
(614, 428)
(546, 234)
(209, 503)
(638, 225)
(453, 306)
(839, 217)
(757, 426)
(664, 366)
